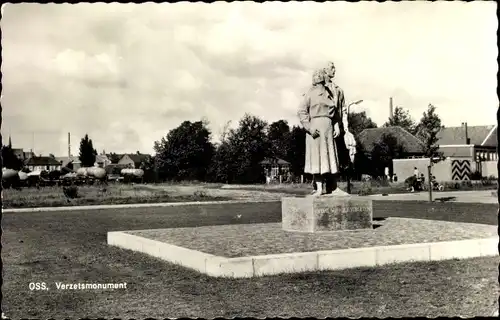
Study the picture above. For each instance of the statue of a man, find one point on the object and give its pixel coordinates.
(330, 147)
(346, 144)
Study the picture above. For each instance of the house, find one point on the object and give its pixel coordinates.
(114, 157)
(411, 145)
(102, 161)
(70, 161)
(19, 152)
(275, 168)
(22, 155)
(43, 163)
(133, 160)
(478, 143)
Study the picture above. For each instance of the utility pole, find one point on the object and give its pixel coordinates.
(432, 160)
(429, 173)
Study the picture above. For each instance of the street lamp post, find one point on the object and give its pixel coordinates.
(350, 167)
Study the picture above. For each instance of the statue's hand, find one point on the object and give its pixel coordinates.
(349, 139)
(336, 130)
(315, 134)
(351, 144)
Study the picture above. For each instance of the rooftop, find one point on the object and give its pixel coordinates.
(42, 161)
(411, 144)
(476, 134)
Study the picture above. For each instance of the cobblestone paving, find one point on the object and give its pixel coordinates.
(268, 238)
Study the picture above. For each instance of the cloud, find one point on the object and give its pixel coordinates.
(126, 74)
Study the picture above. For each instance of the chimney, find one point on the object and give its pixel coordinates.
(69, 144)
(467, 139)
(391, 110)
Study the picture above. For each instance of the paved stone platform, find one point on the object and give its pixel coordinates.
(265, 249)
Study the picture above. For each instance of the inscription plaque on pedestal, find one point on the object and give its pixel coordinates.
(313, 214)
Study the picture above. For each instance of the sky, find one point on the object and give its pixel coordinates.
(126, 74)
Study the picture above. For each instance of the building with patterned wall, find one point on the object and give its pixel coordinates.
(469, 149)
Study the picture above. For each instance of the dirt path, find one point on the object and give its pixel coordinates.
(483, 196)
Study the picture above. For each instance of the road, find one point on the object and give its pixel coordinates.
(483, 196)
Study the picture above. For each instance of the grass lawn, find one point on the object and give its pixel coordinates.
(95, 195)
(71, 247)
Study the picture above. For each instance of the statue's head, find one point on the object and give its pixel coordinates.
(319, 77)
(330, 70)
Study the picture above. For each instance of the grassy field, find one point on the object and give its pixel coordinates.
(93, 195)
(70, 246)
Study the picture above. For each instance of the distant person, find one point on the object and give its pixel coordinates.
(394, 178)
(416, 180)
(386, 171)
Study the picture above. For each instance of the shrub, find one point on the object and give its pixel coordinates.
(55, 174)
(366, 189)
(200, 194)
(489, 181)
(71, 192)
(476, 175)
(380, 182)
(468, 184)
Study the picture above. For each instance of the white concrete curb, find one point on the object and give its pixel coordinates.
(254, 266)
(185, 257)
(136, 205)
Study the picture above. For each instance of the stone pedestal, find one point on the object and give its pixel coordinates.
(326, 213)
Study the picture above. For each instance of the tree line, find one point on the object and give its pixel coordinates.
(188, 153)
